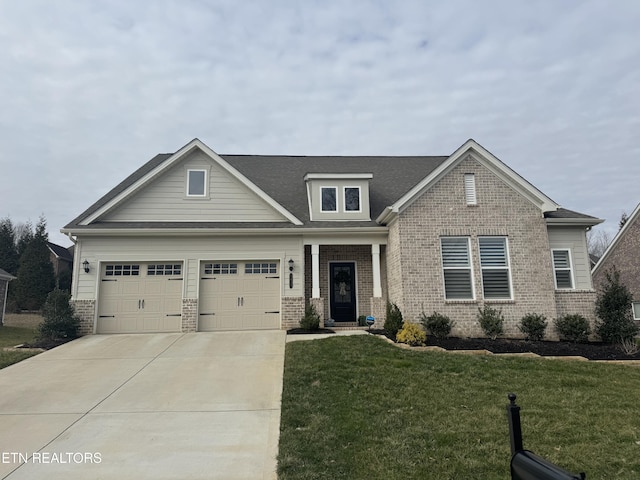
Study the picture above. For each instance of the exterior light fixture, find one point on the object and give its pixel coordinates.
(85, 264)
(291, 264)
(291, 273)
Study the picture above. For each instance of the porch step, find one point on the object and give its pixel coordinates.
(346, 326)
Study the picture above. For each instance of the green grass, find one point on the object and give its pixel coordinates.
(359, 408)
(10, 337)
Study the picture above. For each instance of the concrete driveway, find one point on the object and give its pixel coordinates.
(157, 406)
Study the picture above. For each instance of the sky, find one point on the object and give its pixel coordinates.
(91, 90)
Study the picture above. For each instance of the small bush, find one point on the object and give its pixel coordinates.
(533, 326)
(60, 320)
(574, 328)
(393, 320)
(362, 321)
(491, 321)
(436, 324)
(411, 334)
(311, 319)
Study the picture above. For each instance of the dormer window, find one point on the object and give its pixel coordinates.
(352, 199)
(329, 199)
(196, 183)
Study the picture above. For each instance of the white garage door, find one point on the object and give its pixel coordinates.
(239, 295)
(140, 298)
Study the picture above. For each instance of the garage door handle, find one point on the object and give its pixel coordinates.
(173, 315)
(271, 277)
(207, 314)
(273, 312)
(174, 279)
(143, 304)
(139, 304)
(109, 280)
(106, 316)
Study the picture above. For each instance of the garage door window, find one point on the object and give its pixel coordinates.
(122, 270)
(220, 268)
(155, 270)
(260, 268)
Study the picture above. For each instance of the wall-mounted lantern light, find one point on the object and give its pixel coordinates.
(85, 264)
(291, 273)
(291, 264)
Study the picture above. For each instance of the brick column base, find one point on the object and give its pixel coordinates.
(292, 312)
(86, 311)
(189, 315)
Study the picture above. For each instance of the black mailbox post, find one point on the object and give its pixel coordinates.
(526, 465)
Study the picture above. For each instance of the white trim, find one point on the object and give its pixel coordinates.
(212, 231)
(630, 220)
(344, 199)
(375, 267)
(205, 189)
(169, 162)
(338, 176)
(571, 269)
(322, 210)
(508, 267)
(309, 203)
(315, 270)
(355, 285)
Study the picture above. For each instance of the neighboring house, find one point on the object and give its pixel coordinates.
(61, 258)
(5, 278)
(196, 241)
(623, 253)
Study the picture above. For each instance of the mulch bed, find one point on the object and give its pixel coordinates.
(46, 344)
(302, 331)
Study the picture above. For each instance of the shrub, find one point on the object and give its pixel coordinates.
(436, 324)
(491, 321)
(533, 326)
(393, 320)
(574, 328)
(60, 320)
(362, 321)
(411, 334)
(311, 319)
(613, 309)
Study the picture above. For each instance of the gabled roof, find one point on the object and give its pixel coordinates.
(6, 276)
(60, 252)
(634, 217)
(396, 181)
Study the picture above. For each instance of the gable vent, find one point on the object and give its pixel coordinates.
(470, 188)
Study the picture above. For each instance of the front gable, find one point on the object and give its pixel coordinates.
(163, 194)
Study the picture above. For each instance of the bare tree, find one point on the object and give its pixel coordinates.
(598, 241)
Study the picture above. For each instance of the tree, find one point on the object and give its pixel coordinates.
(8, 252)
(35, 273)
(613, 308)
(623, 219)
(598, 241)
(23, 234)
(60, 320)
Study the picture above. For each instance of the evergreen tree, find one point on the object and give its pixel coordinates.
(23, 234)
(613, 308)
(8, 252)
(35, 273)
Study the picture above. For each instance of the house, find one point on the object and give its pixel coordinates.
(197, 241)
(61, 258)
(5, 278)
(623, 254)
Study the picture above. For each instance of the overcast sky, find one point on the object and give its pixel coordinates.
(90, 90)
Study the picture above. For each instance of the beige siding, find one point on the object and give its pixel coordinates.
(165, 200)
(191, 251)
(314, 188)
(573, 238)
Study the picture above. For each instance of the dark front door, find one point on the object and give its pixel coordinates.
(343, 291)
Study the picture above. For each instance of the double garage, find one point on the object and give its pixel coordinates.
(146, 297)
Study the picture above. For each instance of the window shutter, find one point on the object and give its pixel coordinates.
(470, 188)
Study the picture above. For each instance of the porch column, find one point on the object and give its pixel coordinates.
(315, 271)
(375, 263)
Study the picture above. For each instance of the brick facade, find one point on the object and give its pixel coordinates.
(86, 310)
(569, 302)
(414, 261)
(292, 311)
(189, 315)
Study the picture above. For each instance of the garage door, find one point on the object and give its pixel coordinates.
(140, 298)
(239, 295)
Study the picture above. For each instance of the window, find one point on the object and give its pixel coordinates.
(636, 310)
(562, 268)
(470, 189)
(220, 268)
(494, 261)
(122, 270)
(329, 203)
(196, 183)
(456, 266)
(156, 270)
(352, 199)
(260, 268)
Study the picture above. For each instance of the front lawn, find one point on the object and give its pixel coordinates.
(10, 337)
(359, 408)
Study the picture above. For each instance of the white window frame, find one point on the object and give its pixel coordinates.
(470, 193)
(506, 267)
(571, 273)
(205, 190)
(469, 268)
(335, 189)
(344, 199)
(633, 309)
